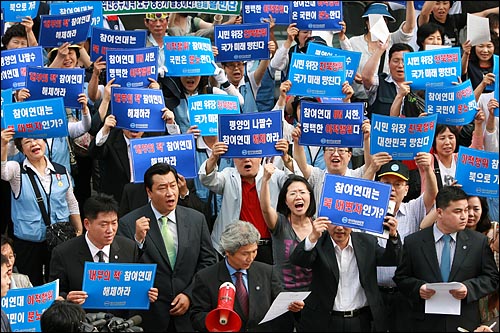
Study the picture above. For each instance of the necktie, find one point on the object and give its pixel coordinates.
(168, 240)
(100, 254)
(241, 293)
(445, 258)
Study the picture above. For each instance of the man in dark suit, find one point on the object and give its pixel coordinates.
(68, 259)
(239, 243)
(175, 238)
(447, 252)
(344, 292)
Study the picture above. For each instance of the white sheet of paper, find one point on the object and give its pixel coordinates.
(378, 28)
(281, 303)
(442, 302)
(436, 47)
(478, 29)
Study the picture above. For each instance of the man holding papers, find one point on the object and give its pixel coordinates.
(260, 282)
(447, 252)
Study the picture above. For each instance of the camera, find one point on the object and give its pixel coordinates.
(107, 322)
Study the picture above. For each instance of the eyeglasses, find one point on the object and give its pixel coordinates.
(340, 151)
(396, 185)
(233, 65)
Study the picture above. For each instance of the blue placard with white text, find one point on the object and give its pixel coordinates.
(14, 11)
(455, 105)
(334, 125)
(117, 286)
(403, 138)
(56, 82)
(14, 63)
(204, 111)
(316, 76)
(138, 109)
(354, 203)
(256, 11)
(64, 8)
(432, 68)
(106, 39)
(188, 56)
(45, 118)
(477, 172)
(131, 68)
(24, 306)
(251, 134)
(352, 58)
(317, 15)
(55, 30)
(242, 42)
(177, 150)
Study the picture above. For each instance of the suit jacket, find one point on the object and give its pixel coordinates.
(194, 252)
(68, 261)
(116, 168)
(322, 260)
(263, 287)
(473, 265)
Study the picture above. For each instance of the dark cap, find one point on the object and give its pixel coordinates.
(395, 168)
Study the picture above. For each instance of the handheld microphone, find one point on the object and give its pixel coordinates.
(90, 317)
(133, 321)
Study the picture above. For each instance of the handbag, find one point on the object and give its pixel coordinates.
(56, 233)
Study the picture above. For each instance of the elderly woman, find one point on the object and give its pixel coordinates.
(54, 182)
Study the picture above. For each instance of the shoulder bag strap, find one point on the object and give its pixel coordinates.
(39, 198)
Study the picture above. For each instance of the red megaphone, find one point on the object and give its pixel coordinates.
(224, 319)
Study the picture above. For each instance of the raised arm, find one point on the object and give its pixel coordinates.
(299, 154)
(269, 213)
(424, 163)
(409, 25)
(425, 13)
(371, 66)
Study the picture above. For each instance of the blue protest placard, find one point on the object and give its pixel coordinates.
(14, 11)
(64, 8)
(138, 109)
(477, 172)
(131, 68)
(106, 39)
(117, 286)
(335, 125)
(6, 98)
(354, 203)
(45, 118)
(494, 85)
(24, 306)
(56, 82)
(403, 138)
(352, 58)
(177, 150)
(251, 134)
(455, 105)
(55, 30)
(188, 56)
(14, 63)
(256, 11)
(242, 42)
(316, 76)
(433, 68)
(317, 15)
(204, 110)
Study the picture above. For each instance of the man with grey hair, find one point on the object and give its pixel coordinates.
(239, 243)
